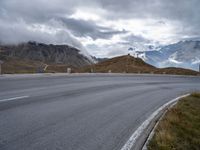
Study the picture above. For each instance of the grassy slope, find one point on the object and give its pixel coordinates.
(120, 64)
(129, 64)
(17, 65)
(180, 127)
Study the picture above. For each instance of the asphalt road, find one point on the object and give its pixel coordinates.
(81, 112)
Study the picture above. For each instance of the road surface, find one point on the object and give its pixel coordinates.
(81, 112)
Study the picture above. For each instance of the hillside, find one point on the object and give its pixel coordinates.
(31, 57)
(122, 64)
(56, 54)
(129, 64)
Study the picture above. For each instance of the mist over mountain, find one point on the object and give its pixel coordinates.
(185, 54)
(46, 53)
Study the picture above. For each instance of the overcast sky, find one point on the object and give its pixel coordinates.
(105, 28)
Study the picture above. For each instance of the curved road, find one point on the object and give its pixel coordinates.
(81, 112)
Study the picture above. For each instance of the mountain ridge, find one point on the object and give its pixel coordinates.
(38, 57)
(185, 54)
(50, 54)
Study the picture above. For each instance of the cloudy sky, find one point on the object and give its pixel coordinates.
(104, 28)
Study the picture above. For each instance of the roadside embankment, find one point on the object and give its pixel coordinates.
(180, 126)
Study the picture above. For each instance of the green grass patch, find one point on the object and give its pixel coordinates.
(179, 129)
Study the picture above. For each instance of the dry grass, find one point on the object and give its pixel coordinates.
(177, 71)
(180, 127)
(17, 65)
(122, 64)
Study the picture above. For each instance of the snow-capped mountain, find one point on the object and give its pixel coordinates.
(184, 54)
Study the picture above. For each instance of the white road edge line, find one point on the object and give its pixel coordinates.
(132, 140)
(14, 98)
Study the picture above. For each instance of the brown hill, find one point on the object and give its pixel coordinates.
(129, 64)
(121, 64)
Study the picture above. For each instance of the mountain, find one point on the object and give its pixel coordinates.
(25, 55)
(185, 54)
(57, 54)
(130, 64)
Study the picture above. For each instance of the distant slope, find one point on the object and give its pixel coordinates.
(176, 71)
(185, 54)
(129, 64)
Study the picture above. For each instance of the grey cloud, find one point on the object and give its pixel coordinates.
(14, 12)
(136, 38)
(177, 9)
(186, 12)
(82, 28)
(43, 11)
(13, 34)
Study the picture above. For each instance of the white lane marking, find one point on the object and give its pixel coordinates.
(132, 140)
(14, 98)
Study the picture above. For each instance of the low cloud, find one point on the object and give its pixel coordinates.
(82, 28)
(118, 23)
(21, 32)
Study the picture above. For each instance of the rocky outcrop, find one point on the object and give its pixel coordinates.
(50, 54)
